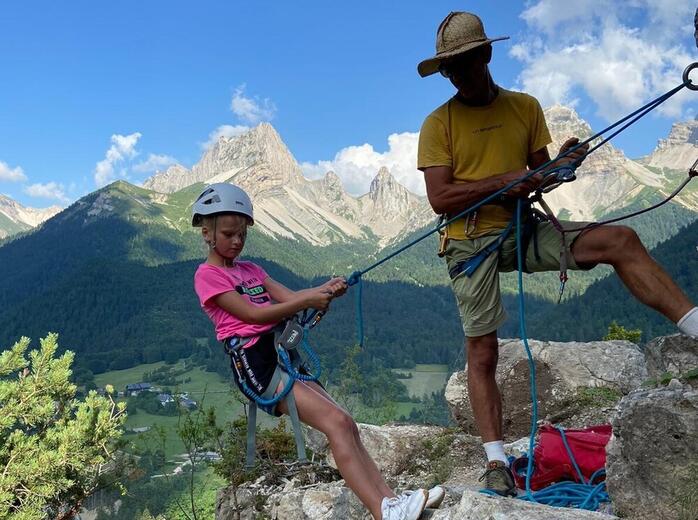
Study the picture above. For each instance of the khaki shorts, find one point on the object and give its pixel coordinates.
(478, 297)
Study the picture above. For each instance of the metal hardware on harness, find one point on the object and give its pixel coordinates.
(566, 174)
(557, 177)
(443, 235)
(686, 80)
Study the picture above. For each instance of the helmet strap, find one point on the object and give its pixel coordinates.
(212, 245)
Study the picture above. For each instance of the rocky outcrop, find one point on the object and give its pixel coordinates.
(474, 505)
(409, 457)
(652, 458)
(679, 150)
(674, 355)
(577, 383)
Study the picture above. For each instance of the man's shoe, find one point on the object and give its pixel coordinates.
(435, 495)
(404, 507)
(499, 479)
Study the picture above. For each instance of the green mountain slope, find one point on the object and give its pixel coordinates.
(113, 275)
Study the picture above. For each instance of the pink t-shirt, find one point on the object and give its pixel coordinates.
(247, 279)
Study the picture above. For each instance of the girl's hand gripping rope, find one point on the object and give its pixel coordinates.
(333, 288)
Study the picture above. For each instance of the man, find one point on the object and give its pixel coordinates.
(479, 141)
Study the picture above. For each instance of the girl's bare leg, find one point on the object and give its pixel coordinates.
(375, 473)
(324, 415)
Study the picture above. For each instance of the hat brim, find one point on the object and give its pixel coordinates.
(431, 65)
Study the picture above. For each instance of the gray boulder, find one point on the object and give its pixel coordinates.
(652, 459)
(578, 383)
(331, 501)
(676, 354)
(400, 449)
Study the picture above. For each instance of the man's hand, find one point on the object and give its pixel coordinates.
(523, 189)
(575, 157)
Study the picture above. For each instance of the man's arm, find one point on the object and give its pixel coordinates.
(447, 196)
(316, 298)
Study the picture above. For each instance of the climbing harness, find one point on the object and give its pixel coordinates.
(587, 495)
(289, 337)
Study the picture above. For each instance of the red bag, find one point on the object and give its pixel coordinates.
(551, 462)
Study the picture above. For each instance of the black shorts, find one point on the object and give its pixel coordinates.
(258, 364)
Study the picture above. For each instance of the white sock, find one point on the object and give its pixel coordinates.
(495, 451)
(689, 323)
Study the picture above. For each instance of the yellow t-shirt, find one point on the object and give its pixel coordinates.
(480, 142)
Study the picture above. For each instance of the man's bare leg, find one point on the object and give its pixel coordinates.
(485, 399)
(620, 247)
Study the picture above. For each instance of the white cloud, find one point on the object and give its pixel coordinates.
(11, 174)
(223, 131)
(154, 163)
(356, 166)
(50, 190)
(123, 147)
(252, 110)
(589, 47)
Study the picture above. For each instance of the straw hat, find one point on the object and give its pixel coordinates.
(458, 33)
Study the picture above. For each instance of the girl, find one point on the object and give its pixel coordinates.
(242, 300)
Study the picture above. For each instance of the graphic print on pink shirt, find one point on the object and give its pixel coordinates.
(245, 278)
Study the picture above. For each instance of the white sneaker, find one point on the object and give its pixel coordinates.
(436, 495)
(404, 507)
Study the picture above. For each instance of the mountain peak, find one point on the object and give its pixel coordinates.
(21, 218)
(331, 179)
(561, 112)
(174, 178)
(565, 122)
(257, 160)
(679, 150)
(384, 181)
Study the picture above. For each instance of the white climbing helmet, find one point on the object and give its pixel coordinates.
(221, 198)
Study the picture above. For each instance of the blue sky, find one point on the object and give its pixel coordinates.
(96, 91)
